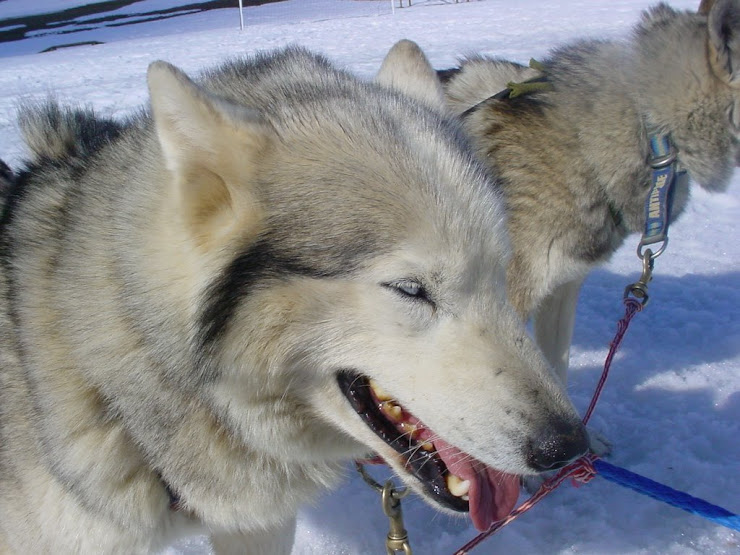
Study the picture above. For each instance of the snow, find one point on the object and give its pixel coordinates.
(672, 405)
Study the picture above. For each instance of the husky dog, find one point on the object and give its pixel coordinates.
(209, 309)
(572, 156)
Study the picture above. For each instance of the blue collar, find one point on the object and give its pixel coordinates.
(665, 171)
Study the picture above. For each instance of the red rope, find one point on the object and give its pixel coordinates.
(581, 470)
(632, 306)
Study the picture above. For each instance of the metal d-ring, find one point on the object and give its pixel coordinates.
(653, 255)
(659, 162)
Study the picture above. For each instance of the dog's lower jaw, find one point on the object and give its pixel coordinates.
(413, 457)
(444, 475)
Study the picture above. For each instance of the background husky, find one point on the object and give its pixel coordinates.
(195, 302)
(573, 160)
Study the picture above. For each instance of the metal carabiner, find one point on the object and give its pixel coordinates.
(639, 289)
(398, 538)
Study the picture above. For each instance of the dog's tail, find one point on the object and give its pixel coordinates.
(56, 133)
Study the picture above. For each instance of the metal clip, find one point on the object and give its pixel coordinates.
(398, 538)
(639, 289)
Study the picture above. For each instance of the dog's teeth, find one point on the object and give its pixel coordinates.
(409, 430)
(465, 498)
(457, 486)
(392, 411)
(380, 393)
(427, 446)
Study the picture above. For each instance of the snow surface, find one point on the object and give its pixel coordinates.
(672, 405)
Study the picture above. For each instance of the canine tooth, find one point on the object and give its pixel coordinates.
(393, 411)
(457, 486)
(410, 430)
(465, 498)
(427, 446)
(380, 393)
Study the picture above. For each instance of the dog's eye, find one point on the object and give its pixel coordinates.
(409, 288)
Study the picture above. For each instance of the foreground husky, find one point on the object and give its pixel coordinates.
(574, 157)
(195, 303)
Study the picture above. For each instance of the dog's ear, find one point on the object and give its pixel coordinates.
(407, 70)
(724, 39)
(212, 148)
(705, 6)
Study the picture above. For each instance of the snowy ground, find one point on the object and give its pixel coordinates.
(672, 407)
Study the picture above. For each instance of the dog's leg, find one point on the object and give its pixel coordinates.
(273, 541)
(553, 329)
(553, 325)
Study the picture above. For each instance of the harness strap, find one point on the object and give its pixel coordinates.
(501, 95)
(513, 90)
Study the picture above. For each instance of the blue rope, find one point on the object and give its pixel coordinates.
(668, 495)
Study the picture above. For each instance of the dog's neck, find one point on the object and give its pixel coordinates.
(623, 157)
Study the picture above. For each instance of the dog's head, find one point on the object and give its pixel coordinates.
(347, 256)
(687, 76)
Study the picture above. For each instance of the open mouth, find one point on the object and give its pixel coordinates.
(456, 480)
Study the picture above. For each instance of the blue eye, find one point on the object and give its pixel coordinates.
(409, 288)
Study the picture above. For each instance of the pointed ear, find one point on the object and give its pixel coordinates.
(724, 39)
(212, 148)
(705, 6)
(407, 70)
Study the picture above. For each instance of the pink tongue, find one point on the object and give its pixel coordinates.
(492, 494)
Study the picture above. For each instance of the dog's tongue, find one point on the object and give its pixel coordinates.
(492, 494)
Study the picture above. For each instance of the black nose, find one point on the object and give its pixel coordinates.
(558, 444)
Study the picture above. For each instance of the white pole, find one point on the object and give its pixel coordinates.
(241, 16)
(393, 7)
